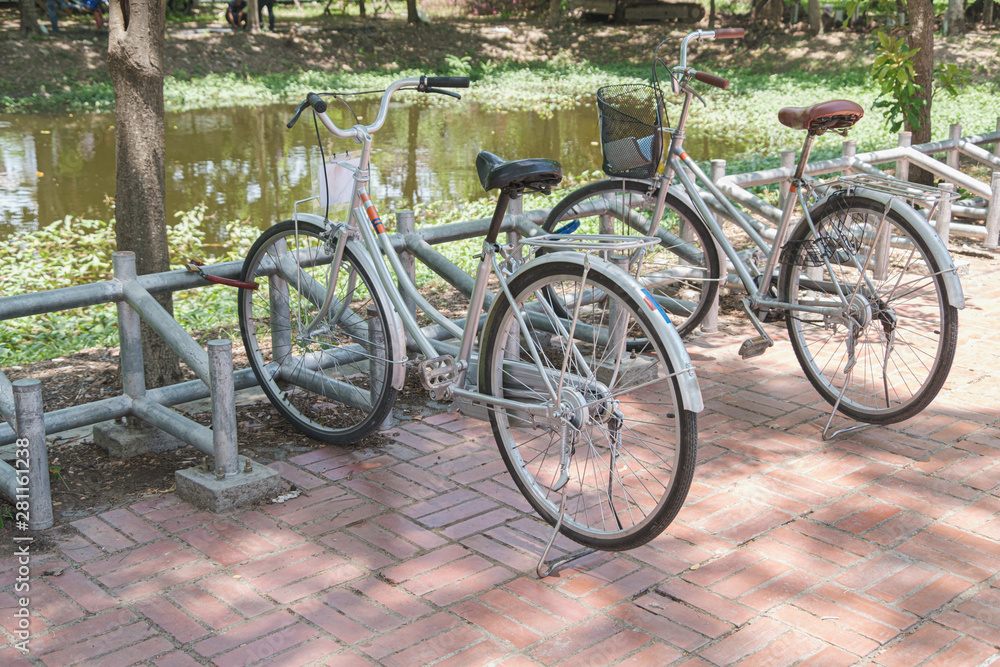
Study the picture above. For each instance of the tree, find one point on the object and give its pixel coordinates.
(956, 17)
(815, 17)
(29, 18)
(920, 38)
(253, 16)
(135, 62)
(904, 69)
(411, 12)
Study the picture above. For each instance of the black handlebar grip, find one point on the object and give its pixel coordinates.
(712, 80)
(316, 102)
(448, 81)
(729, 33)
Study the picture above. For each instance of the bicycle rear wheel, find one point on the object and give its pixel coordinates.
(333, 382)
(682, 273)
(899, 338)
(633, 443)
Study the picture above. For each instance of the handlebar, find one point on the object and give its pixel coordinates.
(722, 33)
(681, 74)
(712, 80)
(424, 84)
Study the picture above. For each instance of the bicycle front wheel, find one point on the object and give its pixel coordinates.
(330, 376)
(630, 443)
(682, 273)
(887, 356)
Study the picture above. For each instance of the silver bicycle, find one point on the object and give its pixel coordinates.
(868, 292)
(601, 441)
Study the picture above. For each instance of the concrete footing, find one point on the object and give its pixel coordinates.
(252, 484)
(134, 438)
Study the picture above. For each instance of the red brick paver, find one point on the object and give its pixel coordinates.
(879, 547)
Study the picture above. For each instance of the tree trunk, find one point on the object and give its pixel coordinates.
(361, 8)
(987, 13)
(253, 15)
(921, 36)
(555, 15)
(135, 62)
(815, 17)
(29, 18)
(711, 15)
(956, 17)
(411, 12)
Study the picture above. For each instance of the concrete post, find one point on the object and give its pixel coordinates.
(220, 368)
(903, 166)
(993, 213)
(129, 332)
(954, 134)
(406, 224)
(943, 217)
(787, 162)
(31, 428)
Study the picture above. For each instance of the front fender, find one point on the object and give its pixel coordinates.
(397, 335)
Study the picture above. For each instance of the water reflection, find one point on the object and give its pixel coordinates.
(245, 165)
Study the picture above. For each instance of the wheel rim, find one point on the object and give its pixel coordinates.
(620, 476)
(898, 331)
(675, 272)
(328, 382)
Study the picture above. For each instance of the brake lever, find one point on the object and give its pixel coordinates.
(298, 112)
(686, 88)
(443, 92)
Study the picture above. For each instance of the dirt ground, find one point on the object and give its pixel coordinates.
(77, 57)
(85, 480)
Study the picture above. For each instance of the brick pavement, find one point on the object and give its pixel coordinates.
(880, 548)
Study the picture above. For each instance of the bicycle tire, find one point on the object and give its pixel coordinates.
(334, 385)
(628, 478)
(686, 299)
(906, 329)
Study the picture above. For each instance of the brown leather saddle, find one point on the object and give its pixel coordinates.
(832, 115)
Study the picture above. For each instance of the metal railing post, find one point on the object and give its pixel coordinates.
(954, 134)
(220, 370)
(787, 162)
(129, 331)
(848, 150)
(31, 432)
(711, 322)
(903, 164)
(993, 213)
(943, 217)
(406, 224)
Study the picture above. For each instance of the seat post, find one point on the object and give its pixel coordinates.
(800, 168)
(498, 213)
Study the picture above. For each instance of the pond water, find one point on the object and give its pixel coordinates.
(243, 163)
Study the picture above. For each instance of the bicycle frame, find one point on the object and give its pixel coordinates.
(366, 225)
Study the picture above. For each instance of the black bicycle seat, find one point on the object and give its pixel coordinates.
(534, 174)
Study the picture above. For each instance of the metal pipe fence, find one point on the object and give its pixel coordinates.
(984, 206)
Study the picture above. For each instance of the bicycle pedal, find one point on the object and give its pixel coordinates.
(438, 372)
(754, 347)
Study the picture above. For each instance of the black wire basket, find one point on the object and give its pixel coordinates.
(631, 138)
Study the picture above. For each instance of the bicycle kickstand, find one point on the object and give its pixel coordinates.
(545, 568)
